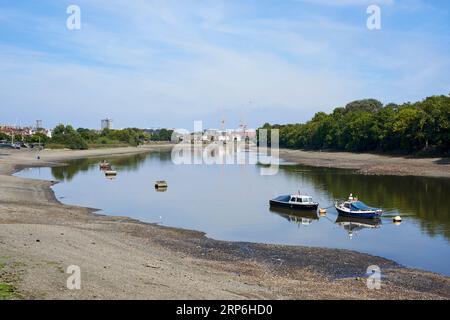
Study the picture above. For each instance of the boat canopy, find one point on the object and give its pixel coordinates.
(283, 198)
(361, 206)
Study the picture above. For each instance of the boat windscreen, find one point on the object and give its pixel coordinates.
(358, 205)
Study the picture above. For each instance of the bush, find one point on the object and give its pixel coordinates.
(68, 137)
(83, 138)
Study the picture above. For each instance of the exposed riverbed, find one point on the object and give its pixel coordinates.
(230, 202)
(122, 258)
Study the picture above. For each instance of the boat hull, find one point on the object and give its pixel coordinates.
(288, 212)
(292, 206)
(366, 223)
(357, 214)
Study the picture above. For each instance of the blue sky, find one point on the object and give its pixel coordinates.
(167, 63)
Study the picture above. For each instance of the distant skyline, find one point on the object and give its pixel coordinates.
(168, 63)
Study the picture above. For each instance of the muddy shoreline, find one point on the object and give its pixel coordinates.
(121, 258)
(370, 164)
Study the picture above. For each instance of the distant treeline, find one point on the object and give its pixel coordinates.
(367, 125)
(67, 137)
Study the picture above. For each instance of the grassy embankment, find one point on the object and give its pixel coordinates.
(8, 280)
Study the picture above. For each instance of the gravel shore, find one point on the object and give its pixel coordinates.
(372, 164)
(121, 258)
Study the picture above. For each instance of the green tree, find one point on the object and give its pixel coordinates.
(366, 105)
(67, 136)
(365, 125)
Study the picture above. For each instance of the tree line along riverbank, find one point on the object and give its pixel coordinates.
(419, 128)
(66, 136)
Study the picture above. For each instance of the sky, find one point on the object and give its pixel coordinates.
(167, 63)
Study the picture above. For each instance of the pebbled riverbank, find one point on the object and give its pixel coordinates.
(372, 164)
(123, 258)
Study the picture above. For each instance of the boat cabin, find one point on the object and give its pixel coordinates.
(300, 199)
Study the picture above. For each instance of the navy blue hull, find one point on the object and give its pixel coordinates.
(289, 213)
(375, 222)
(279, 204)
(358, 215)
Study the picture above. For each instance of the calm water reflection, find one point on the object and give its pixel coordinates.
(230, 202)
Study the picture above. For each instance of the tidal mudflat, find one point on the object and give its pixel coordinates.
(126, 258)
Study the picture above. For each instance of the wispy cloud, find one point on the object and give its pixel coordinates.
(170, 62)
(348, 2)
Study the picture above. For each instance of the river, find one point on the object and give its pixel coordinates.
(231, 202)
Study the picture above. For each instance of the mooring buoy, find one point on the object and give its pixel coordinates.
(397, 220)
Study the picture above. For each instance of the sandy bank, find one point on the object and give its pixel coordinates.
(123, 258)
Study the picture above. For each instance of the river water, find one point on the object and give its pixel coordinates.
(231, 202)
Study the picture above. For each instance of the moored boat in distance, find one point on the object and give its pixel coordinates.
(110, 173)
(161, 185)
(357, 209)
(105, 165)
(294, 201)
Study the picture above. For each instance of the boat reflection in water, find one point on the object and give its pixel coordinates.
(304, 217)
(354, 225)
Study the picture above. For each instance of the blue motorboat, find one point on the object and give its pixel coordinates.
(357, 209)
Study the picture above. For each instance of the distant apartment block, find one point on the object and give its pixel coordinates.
(228, 135)
(107, 124)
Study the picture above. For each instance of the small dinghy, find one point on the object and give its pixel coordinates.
(161, 185)
(105, 165)
(294, 201)
(111, 173)
(357, 209)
